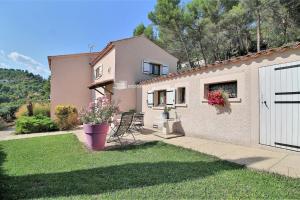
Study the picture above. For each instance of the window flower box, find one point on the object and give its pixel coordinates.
(217, 98)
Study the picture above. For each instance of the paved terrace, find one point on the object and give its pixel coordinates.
(271, 160)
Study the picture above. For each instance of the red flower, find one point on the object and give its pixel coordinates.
(216, 98)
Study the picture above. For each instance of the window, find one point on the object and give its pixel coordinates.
(155, 69)
(181, 95)
(98, 72)
(152, 68)
(229, 87)
(161, 97)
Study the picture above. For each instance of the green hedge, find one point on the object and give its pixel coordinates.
(35, 124)
(2, 124)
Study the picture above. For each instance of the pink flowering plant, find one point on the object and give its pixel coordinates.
(99, 112)
(217, 98)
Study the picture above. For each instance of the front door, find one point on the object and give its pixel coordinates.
(280, 105)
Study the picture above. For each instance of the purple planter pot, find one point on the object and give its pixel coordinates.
(96, 135)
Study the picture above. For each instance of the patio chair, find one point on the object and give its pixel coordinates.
(137, 123)
(124, 127)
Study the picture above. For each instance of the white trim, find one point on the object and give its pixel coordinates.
(231, 100)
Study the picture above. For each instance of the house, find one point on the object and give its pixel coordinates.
(78, 79)
(263, 90)
(263, 99)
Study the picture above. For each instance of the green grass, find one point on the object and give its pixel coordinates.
(60, 167)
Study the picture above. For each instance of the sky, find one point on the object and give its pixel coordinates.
(31, 30)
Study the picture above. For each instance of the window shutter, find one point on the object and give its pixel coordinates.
(171, 97)
(146, 68)
(150, 99)
(165, 70)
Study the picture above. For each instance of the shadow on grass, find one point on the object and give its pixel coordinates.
(131, 145)
(109, 179)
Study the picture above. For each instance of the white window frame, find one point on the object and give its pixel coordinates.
(171, 97)
(178, 93)
(150, 103)
(100, 68)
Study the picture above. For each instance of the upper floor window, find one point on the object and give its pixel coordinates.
(98, 72)
(229, 87)
(155, 68)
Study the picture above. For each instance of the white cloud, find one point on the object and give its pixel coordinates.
(32, 65)
(4, 65)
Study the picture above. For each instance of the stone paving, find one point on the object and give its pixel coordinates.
(271, 160)
(9, 134)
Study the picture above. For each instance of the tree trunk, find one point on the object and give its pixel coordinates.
(184, 45)
(258, 32)
(201, 47)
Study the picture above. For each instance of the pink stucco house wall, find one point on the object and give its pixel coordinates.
(263, 91)
(78, 79)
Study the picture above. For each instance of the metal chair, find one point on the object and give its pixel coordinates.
(137, 123)
(124, 127)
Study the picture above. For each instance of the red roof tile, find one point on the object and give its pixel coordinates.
(220, 63)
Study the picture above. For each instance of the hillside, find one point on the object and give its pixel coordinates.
(18, 86)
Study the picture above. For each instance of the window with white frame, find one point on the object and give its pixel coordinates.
(181, 95)
(160, 98)
(229, 87)
(98, 72)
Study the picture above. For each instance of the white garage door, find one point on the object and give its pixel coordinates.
(280, 105)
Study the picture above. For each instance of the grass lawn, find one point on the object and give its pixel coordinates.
(60, 167)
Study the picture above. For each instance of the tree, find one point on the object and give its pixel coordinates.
(214, 30)
(169, 16)
(139, 30)
(142, 30)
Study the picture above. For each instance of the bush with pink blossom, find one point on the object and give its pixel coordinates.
(217, 97)
(99, 112)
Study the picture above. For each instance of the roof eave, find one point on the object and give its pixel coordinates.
(222, 63)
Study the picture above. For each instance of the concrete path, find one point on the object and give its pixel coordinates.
(8, 134)
(282, 162)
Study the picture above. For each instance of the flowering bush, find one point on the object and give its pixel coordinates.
(99, 112)
(217, 98)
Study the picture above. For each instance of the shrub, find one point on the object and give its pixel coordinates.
(99, 112)
(37, 109)
(41, 109)
(35, 124)
(66, 117)
(2, 123)
(22, 111)
(7, 110)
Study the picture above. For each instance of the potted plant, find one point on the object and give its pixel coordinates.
(166, 114)
(96, 122)
(217, 98)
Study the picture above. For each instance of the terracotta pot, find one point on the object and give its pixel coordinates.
(96, 135)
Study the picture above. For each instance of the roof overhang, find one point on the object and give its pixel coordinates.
(102, 53)
(100, 84)
(233, 60)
